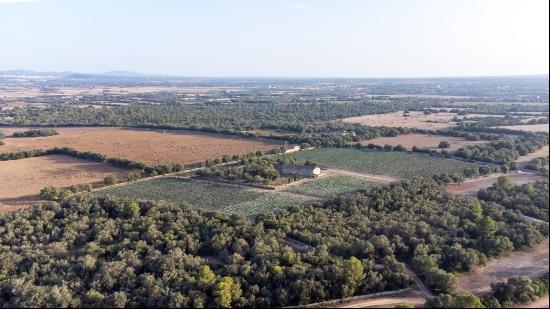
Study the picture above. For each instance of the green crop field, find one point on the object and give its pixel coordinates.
(395, 164)
(327, 187)
(207, 196)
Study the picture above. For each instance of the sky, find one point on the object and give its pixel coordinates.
(280, 38)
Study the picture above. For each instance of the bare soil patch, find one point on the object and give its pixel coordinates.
(532, 263)
(22, 180)
(528, 127)
(543, 152)
(472, 186)
(422, 141)
(152, 147)
(414, 120)
(383, 302)
(542, 302)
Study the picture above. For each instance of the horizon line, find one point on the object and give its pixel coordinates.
(136, 74)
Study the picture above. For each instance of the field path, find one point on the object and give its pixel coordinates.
(420, 285)
(300, 182)
(384, 302)
(470, 187)
(245, 186)
(377, 178)
(296, 244)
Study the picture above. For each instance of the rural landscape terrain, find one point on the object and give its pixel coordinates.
(129, 191)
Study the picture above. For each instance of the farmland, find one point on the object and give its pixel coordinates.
(152, 147)
(422, 141)
(395, 164)
(331, 186)
(22, 180)
(206, 195)
(414, 120)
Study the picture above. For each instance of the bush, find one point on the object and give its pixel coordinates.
(109, 180)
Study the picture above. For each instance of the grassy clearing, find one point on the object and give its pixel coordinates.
(207, 196)
(331, 186)
(395, 164)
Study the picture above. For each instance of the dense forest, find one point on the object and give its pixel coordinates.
(217, 117)
(437, 232)
(109, 252)
(530, 199)
(88, 251)
(505, 150)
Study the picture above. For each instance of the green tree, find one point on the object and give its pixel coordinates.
(226, 291)
(353, 274)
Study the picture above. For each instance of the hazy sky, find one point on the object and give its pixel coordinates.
(339, 38)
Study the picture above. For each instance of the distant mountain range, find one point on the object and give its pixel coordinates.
(70, 74)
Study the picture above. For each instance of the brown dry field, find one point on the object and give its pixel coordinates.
(532, 263)
(543, 152)
(21, 180)
(422, 141)
(528, 127)
(415, 119)
(152, 147)
(472, 186)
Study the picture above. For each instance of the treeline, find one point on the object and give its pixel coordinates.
(517, 290)
(530, 199)
(416, 221)
(207, 116)
(504, 151)
(96, 157)
(88, 252)
(57, 194)
(35, 133)
(251, 170)
(508, 120)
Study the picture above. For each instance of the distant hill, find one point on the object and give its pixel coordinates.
(34, 73)
(123, 74)
(71, 74)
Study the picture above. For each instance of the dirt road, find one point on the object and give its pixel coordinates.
(472, 186)
(384, 302)
(376, 178)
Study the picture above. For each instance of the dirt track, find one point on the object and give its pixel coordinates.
(376, 178)
(384, 302)
(472, 186)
